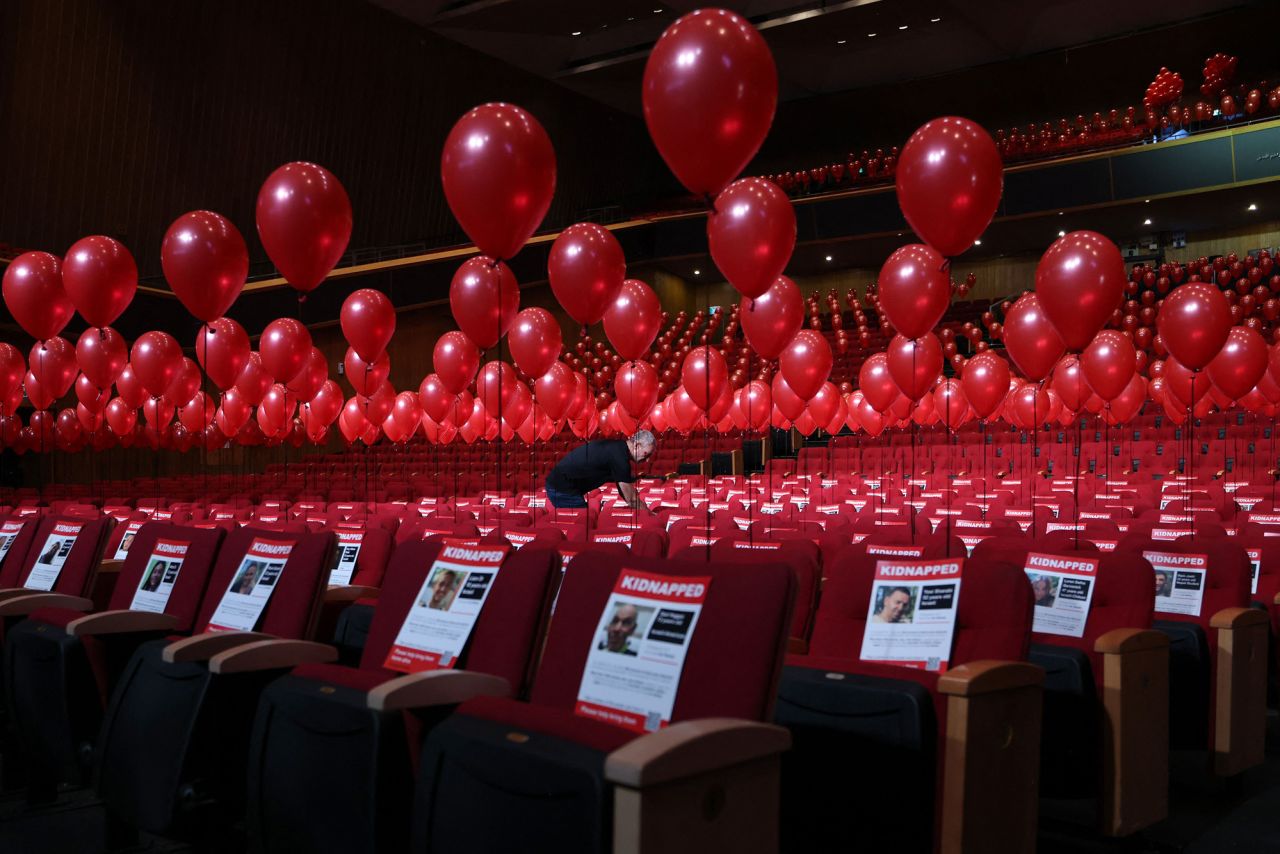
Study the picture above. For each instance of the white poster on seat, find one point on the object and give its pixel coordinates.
(251, 586)
(156, 584)
(53, 554)
(1063, 590)
(122, 549)
(911, 617)
(1179, 581)
(637, 654)
(1255, 567)
(440, 621)
(8, 534)
(343, 565)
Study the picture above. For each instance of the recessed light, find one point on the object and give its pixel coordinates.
(1060, 213)
(934, 20)
(657, 11)
(576, 33)
(1061, 233)
(1147, 221)
(697, 272)
(841, 41)
(829, 258)
(903, 27)
(1146, 201)
(871, 35)
(1253, 207)
(977, 243)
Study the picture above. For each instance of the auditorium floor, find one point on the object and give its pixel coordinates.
(1206, 817)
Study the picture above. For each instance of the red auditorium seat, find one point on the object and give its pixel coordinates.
(60, 568)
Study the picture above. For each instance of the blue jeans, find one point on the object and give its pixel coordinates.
(565, 500)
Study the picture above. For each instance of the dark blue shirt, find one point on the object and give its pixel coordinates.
(591, 466)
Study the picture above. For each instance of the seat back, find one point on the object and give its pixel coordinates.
(801, 555)
(202, 549)
(23, 531)
(293, 606)
(81, 562)
(734, 659)
(375, 552)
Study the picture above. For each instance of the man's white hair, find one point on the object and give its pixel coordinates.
(644, 438)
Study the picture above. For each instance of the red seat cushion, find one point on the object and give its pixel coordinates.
(557, 723)
(362, 679)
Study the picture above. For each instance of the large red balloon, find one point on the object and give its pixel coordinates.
(710, 91)
(434, 398)
(1070, 383)
(1240, 363)
(102, 354)
(824, 405)
(586, 268)
(53, 363)
(785, 399)
(704, 375)
(555, 390)
(876, 383)
(806, 363)
(185, 384)
(914, 289)
(1128, 402)
(1031, 406)
(368, 321)
(1032, 341)
(751, 233)
(251, 386)
(365, 377)
(455, 360)
(499, 174)
(284, 347)
(34, 294)
(327, 403)
(950, 403)
(484, 298)
(1194, 323)
(915, 364)
(1080, 281)
(129, 388)
(312, 376)
(985, 382)
(156, 359)
(12, 368)
(773, 318)
(121, 417)
(633, 321)
(636, 387)
(535, 341)
(1188, 387)
(222, 349)
(205, 262)
(495, 386)
(198, 413)
(755, 399)
(949, 179)
(100, 278)
(1109, 362)
(304, 221)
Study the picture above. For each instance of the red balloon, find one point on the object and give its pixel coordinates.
(406, 412)
(535, 341)
(1193, 323)
(1129, 401)
(327, 403)
(53, 364)
(377, 406)
(806, 363)
(484, 298)
(704, 375)
(1070, 384)
(186, 382)
(156, 358)
(949, 179)
(34, 294)
(710, 90)
(284, 346)
(90, 421)
(915, 290)
(636, 387)
(684, 412)
(251, 386)
(950, 403)
(434, 398)
(586, 268)
(752, 232)
(100, 278)
(121, 417)
(222, 349)
(364, 377)
(312, 376)
(877, 383)
(40, 397)
(102, 354)
(824, 405)
(1185, 385)
(205, 262)
(368, 321)
(755, 399)
(1031, 406)
(915, 364)
(1108, 363)
(499, 174)
(633, 321)
(198, 413)
(1240, 363)
(770, 321)
(986, 383)
(157, 411)
(555, 390)
(12, 368)
(304, 221)
(1080, 280)
(129, 387)
(785, 399)
(1032, 341)
(495, 385)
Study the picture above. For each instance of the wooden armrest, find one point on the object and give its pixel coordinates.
(693, 747)
(110, 565)
(798, 646)
(20, 606)
(204, 646)
(1121, 641)
(273, 654)
(120, 622)
(14, 592)
(350, 593)
(435, 688)
(985, 677)
(1231, 618)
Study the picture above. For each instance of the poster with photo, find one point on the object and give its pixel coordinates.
(251, 586)
(1179, 581)
(911, 618)
(444, 613)
(637, 654)
(161, 573)
(1255, 568)
(53, 554)
(122, 550)
(342, 566)
(1063, 589)
(8, 534)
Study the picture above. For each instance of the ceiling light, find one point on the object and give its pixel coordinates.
(697, 272)
(1146, 201)
(841, 41)
(1253, 207)
(1061, 233)
(934, 20)
(1147, 221)
(657, 11)
(871, 35)
(576, 33)
(1060, 213)
(977, 243)
(829, 258)
(903, 27)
